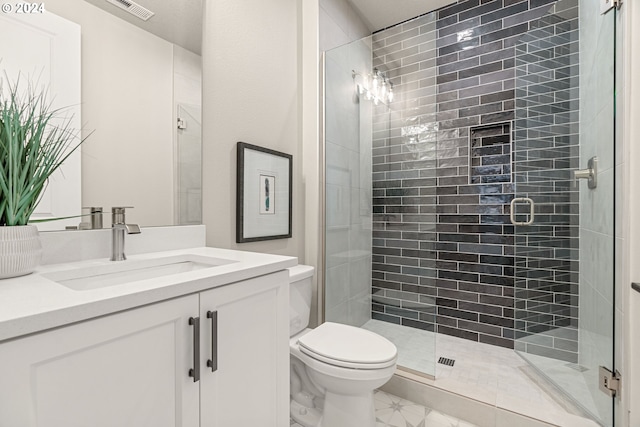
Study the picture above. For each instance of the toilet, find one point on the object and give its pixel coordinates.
(334, 368)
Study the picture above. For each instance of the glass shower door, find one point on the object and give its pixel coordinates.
(373, 278)
(188, 165)
(563, 206)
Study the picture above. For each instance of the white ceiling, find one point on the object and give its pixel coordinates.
(177, 21)
(180, 21)
(380, 14)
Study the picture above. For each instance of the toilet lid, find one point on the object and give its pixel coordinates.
(348, 346)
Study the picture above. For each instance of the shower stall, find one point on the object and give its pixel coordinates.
(474, 207)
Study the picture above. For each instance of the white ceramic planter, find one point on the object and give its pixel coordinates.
(20, 250)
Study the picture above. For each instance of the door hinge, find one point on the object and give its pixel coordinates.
(182, 124)
(607, 5)
(609, 382)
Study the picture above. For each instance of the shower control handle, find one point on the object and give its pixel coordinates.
(512, 214)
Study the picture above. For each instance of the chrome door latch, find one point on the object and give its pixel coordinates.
(590, 173)
(609, 381)
(512, 214)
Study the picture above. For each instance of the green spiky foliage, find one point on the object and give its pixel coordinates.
(35, 139)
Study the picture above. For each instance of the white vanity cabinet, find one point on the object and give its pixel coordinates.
(250, 386)
(131, 369)
(125, 369)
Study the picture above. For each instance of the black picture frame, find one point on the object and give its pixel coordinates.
(264, 202)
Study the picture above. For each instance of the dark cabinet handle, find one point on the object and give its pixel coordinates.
(195, 372)
(635, 287)
(213, 362)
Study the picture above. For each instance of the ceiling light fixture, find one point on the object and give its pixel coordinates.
(375, 86)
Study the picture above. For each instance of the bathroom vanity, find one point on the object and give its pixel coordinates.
(194, 337)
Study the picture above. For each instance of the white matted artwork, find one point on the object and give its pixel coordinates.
(263, 199)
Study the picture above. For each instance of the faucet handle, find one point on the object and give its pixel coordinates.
(118, 214)
(96, 217)
(120, 209)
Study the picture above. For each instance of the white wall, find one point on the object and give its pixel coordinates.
(127, 100)
(313, 175)
(187, 83)
(251, 93)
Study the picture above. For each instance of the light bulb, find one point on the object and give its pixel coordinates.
(390, 94)
(375, 82)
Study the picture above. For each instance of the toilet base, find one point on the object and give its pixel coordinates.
(348, 410)
(306, 417)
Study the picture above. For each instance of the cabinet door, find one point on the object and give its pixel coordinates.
(251, 384)
(127, 370)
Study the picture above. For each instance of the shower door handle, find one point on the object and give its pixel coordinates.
(590, 174)
(512, 214)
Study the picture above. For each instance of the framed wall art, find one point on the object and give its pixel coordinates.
(263, 197)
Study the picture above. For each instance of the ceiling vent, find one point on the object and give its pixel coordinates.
(133, 8)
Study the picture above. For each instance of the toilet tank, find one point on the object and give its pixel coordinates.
(300, 278)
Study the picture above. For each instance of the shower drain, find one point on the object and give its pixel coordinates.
(445, 361)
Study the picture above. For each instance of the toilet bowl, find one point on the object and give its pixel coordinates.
(334, 368)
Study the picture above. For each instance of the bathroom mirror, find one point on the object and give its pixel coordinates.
(141, 102)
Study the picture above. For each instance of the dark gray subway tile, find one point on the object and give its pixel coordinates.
(458, 314)
(457, 7)
(508, 10)
(482, 69)
(464, 24)
(476, 260)
(481, 50)
(480, 90)
(489, 7)
(524, 17)
(504, 33)
(419, 324)
(446, 21)
(442, 329)
(501, 342)
(480, 327)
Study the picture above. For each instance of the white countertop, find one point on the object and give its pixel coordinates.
(34, 303)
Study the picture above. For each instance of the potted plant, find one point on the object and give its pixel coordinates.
(35, 139)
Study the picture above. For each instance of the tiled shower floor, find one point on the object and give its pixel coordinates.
(487, 373)
(392, 411)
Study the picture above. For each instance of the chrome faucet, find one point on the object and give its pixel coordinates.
(119, 227)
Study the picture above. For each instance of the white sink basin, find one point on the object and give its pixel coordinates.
(121, 272)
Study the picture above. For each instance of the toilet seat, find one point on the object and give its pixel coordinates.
(348, 347)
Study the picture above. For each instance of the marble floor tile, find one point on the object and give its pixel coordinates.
(491, 374)
(392, 411)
